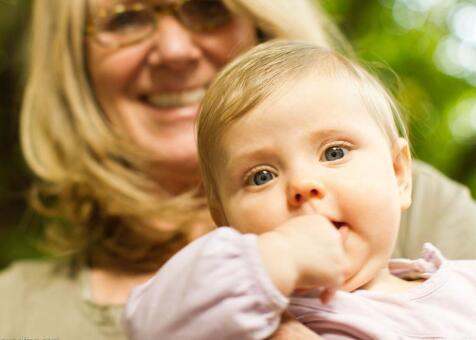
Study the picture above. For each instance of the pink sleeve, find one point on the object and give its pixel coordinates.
(215, 288)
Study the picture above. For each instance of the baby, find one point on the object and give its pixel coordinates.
(304, 154)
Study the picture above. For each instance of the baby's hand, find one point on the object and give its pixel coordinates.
(304, 252)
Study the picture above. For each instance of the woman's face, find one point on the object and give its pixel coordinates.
(151, 90)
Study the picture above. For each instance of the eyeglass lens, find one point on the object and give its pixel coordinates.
(128, 23)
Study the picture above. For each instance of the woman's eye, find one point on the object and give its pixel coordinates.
(335, 153)
(127, 20)
(261, 177)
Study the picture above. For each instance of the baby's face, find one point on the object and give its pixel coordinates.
(313, 148)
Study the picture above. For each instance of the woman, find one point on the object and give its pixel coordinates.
(107, 128)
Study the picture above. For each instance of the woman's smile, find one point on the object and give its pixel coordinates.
(176, 99)
(173, 106)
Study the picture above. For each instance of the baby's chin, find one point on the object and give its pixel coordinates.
(366, 279)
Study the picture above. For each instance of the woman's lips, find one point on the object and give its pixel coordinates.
(177, 99)
(173, 107)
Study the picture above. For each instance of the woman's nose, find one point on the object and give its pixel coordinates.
(174, 44)
(304, 190)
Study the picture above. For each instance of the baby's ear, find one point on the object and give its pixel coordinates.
(402, 165)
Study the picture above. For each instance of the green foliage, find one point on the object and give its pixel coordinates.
(405, 36)
(16, 239)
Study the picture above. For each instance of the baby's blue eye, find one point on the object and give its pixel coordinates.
(335, 153)
(262, 177)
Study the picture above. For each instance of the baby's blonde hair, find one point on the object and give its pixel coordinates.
(250, 79)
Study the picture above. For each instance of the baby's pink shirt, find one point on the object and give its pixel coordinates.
(217, 288)
(442, 307)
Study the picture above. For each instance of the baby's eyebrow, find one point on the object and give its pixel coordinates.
(320, 135)
(247, 157)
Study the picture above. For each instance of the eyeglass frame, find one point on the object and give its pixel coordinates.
(168, 8)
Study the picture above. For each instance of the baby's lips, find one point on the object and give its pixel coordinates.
(343, 232)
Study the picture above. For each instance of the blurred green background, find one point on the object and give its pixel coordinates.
(429, 44)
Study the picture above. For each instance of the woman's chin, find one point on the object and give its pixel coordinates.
(178, 162)
(171, 146)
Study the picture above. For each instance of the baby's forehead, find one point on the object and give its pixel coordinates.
(326, 98)
(312, 102)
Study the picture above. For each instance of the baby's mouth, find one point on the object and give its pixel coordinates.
(342, 228)
(176, 99)
(338, 225)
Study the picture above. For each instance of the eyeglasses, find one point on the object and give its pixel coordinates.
(132, 22)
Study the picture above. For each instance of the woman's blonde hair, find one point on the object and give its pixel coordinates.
(302, 20)
(251, 78)
(91, 181)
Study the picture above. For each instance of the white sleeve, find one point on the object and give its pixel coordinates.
(215, 288)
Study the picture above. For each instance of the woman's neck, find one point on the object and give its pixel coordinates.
(108, 287)
(176, 179)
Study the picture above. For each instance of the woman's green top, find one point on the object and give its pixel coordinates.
(442, 212)
(44, 300)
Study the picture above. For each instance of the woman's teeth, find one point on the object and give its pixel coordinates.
(177, 99)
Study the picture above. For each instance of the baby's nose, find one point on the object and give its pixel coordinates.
(303, 191)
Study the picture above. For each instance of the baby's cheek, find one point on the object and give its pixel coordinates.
(257, 216)
(373, 208)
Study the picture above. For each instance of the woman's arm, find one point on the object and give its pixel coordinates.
(442, 212)
(215, 288)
